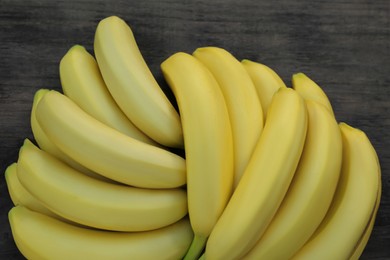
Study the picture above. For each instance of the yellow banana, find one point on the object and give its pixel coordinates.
(308, 89)
(40, 137)
(265, 180)
(245, 112)
(105, 150)
(353, 202)
(208, 143)
(367, 232)
(266, 82)
(19, 195)
(95, 203)
(132, 85)
(82, 82)
(48, 146)
(311, 191)
(41, 237)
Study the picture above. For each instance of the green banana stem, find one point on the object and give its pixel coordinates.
(196, 247)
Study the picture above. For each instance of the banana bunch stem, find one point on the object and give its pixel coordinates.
(196, 247)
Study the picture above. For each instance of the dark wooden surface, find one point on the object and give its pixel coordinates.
(343, 45)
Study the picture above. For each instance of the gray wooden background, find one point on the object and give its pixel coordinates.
(343, 45)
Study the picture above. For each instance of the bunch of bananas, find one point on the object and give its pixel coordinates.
(268, 172)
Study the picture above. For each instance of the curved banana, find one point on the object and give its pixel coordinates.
(95, 203)
(41, 237)
(208, 143)
(308, 89)
(266, 82)
(132, 85)
(367, 232)
(39, 136)
(245, 112)
(311, 191)
(265, 180)
(82, 82)
(105, 150)
(353, 202)
(19, 195)
(48, 146)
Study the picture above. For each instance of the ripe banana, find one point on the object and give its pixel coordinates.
(41, 237)
(95, 203)
(353, 202)
(308, 89)
(40, 137)
(266, 82)
(245, 112)
(367, 232)
(265, 180)
(48, 146)
(311, 190)
(82, 82)
(19, 195)
(132, 85)
(105, 150)
(208, 143)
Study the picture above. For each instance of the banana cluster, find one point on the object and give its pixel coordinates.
(249, 169)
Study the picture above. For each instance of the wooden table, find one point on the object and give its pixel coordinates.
(342, 45)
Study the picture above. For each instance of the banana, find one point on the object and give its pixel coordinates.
(367, 232)
(265, 180)
(47, 145)
(308, 89)
(82, 82)
(245, 112)
(40, 137)
(311, 191)
(208, 143)
(132, 85)
(266, 82)
(41, 237)
(19, 195)
(95, 203)
(353, 202)
(105, 150)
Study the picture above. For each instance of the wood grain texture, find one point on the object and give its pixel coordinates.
(342, 45)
